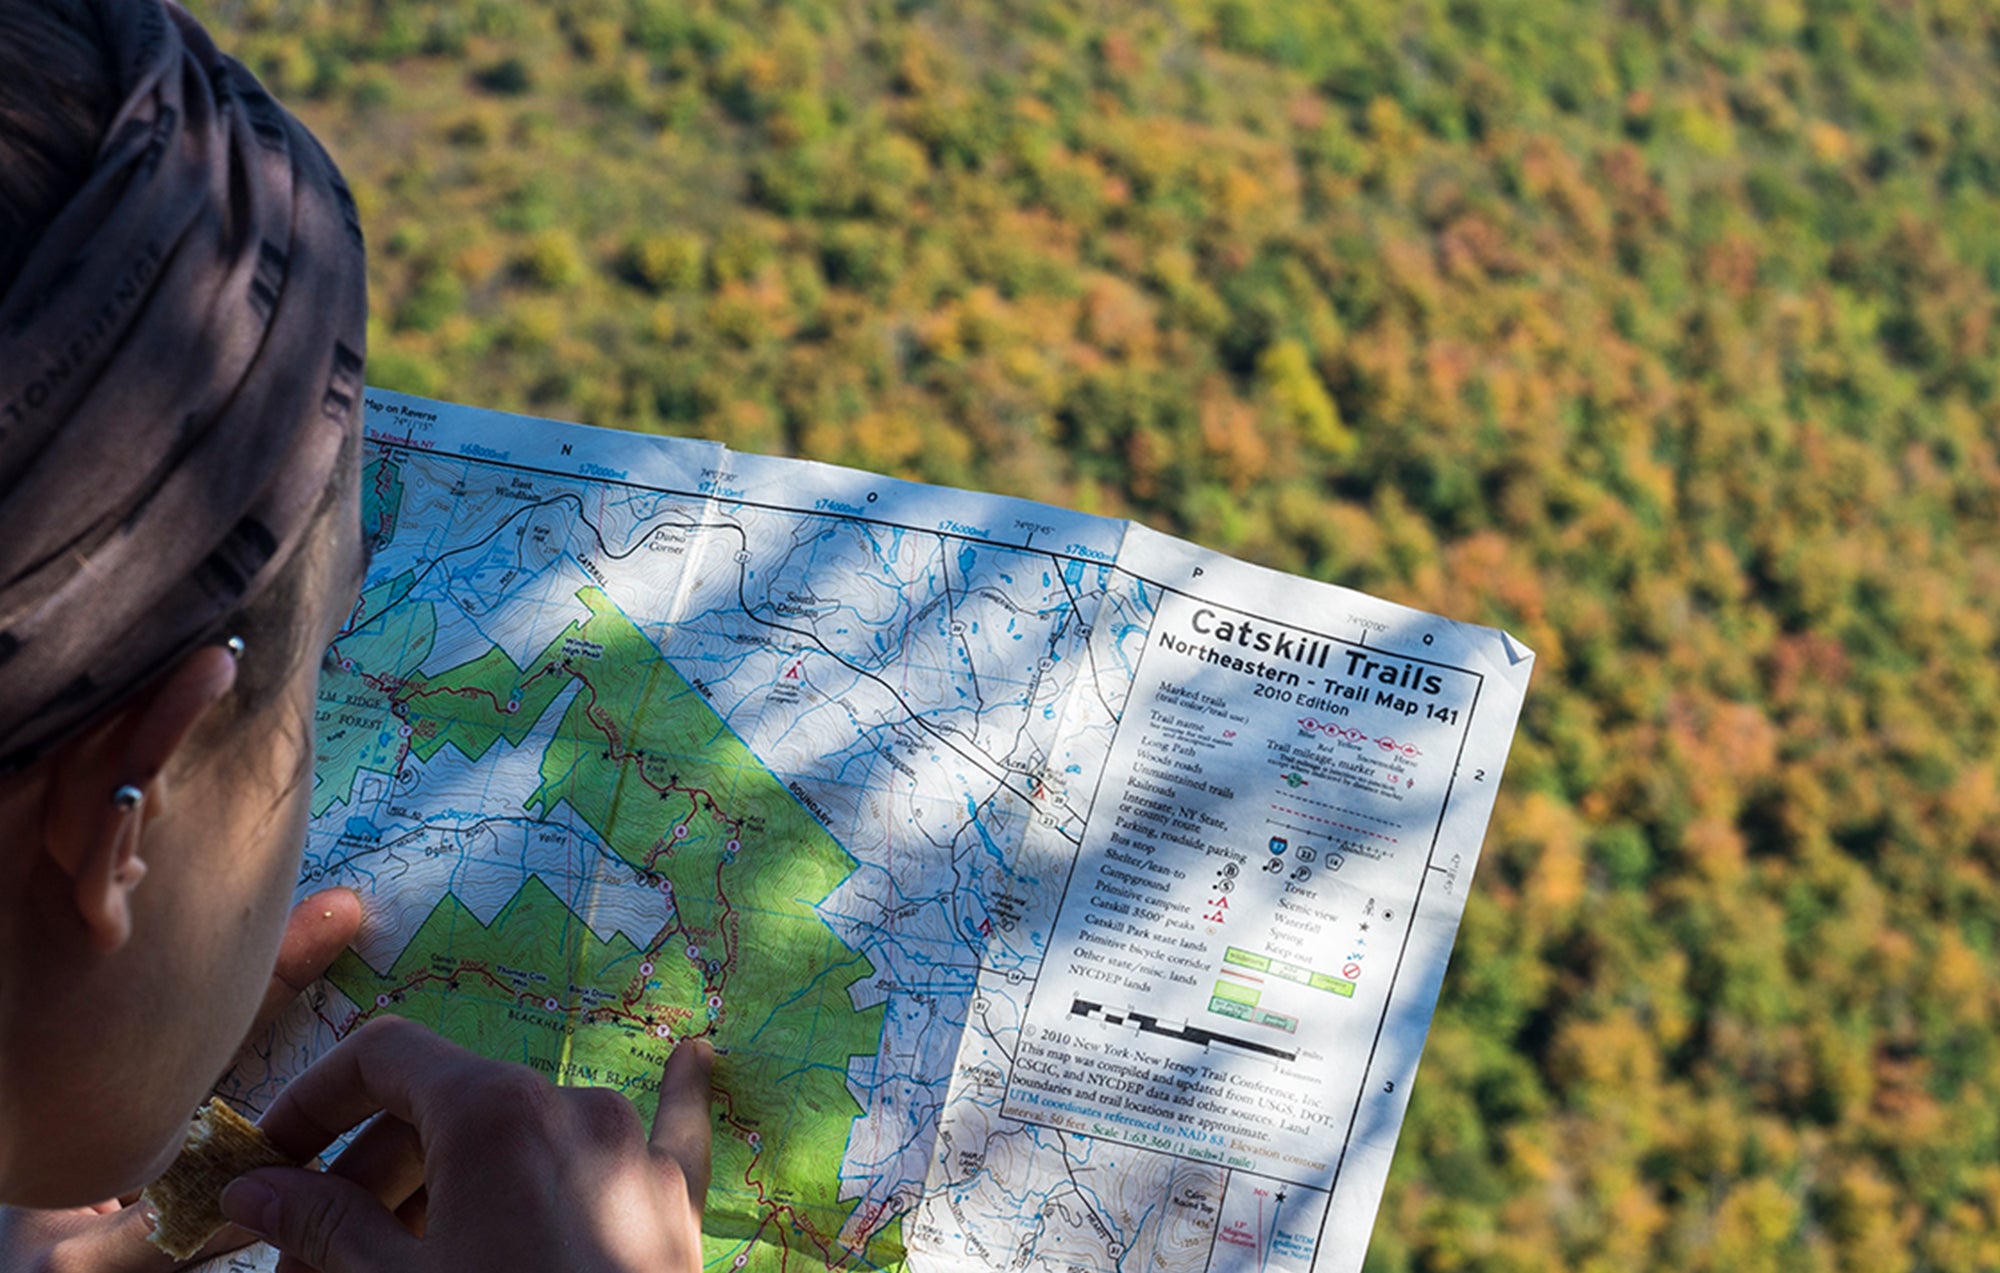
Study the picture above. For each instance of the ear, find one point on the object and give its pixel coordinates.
(96, 841)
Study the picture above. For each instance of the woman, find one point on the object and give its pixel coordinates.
(181, 322)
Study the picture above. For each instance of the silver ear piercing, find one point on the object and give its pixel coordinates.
(126, 798)
(235, 647)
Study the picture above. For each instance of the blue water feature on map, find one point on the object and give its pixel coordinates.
(895, 548)
(972, 817)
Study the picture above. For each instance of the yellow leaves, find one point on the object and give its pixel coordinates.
(1970, 805)
(598, 39)
(785, 60)
(669, 260)
(1867, 1220)
(887, 439)
(1192, 304)
(1234, 188)
(1152, 150)
(1547, 836)
(1829, 142)
(1967, 1238)
(285, 65)
(893, 438)
(896, 164)
(1292, 391)
(1633, 1219)
(984, 322)
(663, 322)
(1389, 128)
(1754, 1227)
(1236, 196)
(534, 326)
(1605, 1062)
(920, 64)
(1026, 367)
(741, 251)
(1352, 538)
(552, 259)
(1842, 1071)
(1957, 975)
(750, 312)
(1702, 123)
(795, 119)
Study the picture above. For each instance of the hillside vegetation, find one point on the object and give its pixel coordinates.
(1659, 332)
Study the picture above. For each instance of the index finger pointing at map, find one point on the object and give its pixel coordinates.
(319, 929)
(681, 1129)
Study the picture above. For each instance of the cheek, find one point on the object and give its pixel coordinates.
(283, 841)
(268, 856)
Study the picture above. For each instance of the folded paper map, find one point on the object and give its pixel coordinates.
(1057, 895)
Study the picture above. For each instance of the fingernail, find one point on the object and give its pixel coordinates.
(250, 1204)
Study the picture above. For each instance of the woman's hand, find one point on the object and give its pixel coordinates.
(111, 1236)
(513, 1172)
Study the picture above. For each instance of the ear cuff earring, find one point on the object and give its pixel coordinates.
(128, 797)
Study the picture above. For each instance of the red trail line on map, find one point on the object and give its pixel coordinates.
(399, 693)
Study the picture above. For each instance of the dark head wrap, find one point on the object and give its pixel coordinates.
(180, 370)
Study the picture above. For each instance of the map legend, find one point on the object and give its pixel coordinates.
(1224, 980)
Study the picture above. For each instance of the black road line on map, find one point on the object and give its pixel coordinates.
(966, 752)
(979, 759)
(703, 523)
(986, 1022)
(1069, 1171)
(1089, 654)
(326, 868)
(489, 537)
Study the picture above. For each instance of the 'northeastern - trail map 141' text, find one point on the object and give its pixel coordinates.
(1057, 895)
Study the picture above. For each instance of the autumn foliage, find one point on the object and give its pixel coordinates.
(1660, 332)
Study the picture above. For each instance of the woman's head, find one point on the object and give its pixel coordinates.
(57, 96)
(180, 361)
(181, 315)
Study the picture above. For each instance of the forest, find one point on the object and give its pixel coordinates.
(1659, 332)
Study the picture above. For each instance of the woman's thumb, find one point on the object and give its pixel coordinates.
(329, 1222)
